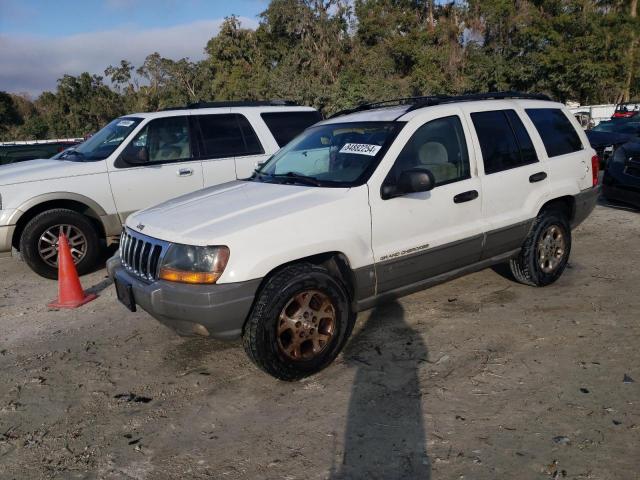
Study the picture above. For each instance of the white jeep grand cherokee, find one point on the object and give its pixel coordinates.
(371, 204)
(134, 162)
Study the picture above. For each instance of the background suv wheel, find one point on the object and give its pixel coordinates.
(39, 241)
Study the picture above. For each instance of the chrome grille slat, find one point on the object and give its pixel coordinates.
(129, 245)
(132, 248)
(138, 256)
(149, 257)
(141, 255)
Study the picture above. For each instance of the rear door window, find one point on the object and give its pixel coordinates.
(555, 129)
(504, 141)
(285, 126)
(227, 135)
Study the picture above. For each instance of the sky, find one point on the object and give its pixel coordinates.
(42, 40)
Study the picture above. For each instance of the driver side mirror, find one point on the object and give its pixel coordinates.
(410, 181)
(135, 155)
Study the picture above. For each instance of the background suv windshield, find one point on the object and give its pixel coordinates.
(103, 143)
(336, 154)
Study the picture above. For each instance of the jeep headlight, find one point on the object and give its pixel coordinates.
(190, 264)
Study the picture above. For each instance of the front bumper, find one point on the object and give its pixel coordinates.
(221, 308)
(585, 202)
(6, 236)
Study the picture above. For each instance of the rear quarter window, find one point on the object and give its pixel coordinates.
(285, 126)
(557, 133)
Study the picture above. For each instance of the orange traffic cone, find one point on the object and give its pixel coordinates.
(70, 293)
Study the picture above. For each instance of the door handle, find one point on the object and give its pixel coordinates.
(465, 196)
(185, 172)
(537, 177)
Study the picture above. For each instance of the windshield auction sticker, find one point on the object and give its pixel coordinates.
(361, 149)
(125, 123)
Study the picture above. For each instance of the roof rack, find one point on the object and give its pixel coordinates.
(427, 101)
(236, 103)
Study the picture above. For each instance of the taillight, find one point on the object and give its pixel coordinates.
(595, 168)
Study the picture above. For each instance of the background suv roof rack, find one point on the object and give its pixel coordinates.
(427, 101)
(236, 103)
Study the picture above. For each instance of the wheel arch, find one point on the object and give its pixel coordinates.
(336, 262)
(566, 204)
(42, 203)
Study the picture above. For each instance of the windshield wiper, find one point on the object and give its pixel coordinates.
(72, 152)
(289, 175)
(298, 178)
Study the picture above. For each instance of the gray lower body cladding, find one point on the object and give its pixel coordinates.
(585, 202)
(411, 273)
(221, 308)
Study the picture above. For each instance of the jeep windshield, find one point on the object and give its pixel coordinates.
(103, 143)
(333, 155)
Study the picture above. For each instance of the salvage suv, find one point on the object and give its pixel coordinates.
(134, 162)
(371, 204)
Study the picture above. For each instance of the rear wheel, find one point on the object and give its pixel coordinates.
(39, 241)
(545, 252)
(299, 323)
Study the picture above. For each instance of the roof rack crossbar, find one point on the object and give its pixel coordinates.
(236, 103)
(426, 101)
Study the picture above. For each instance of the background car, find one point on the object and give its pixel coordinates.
(607, 136)
(21, 152)
(627, 110)
(621, 180)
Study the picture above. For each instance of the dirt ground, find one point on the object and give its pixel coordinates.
(478, 378)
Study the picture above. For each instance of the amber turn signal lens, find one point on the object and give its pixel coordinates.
(173, 275)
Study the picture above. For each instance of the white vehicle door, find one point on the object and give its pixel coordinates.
(515, 183)
(170, 169)
(229, 147)
(566, 159)
(420, 235)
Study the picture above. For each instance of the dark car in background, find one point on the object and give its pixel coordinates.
(607, 136)
(13, 152)
(621, 180)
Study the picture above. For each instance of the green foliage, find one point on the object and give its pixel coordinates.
(333, 54)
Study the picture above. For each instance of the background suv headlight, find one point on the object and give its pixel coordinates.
(189, 264)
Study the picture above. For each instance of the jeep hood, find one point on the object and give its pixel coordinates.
(207, 216)
(47, 169)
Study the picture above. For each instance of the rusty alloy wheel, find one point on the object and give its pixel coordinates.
(551, 248)
(306, 325)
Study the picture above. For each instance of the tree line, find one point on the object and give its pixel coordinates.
(333, 54)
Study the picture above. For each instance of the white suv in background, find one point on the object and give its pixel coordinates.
(134, 162)
(372, 204)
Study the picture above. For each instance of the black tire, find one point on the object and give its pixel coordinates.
(526, 267)
(39, 224)
(260, 337)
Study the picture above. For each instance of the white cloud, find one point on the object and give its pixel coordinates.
(32, 64)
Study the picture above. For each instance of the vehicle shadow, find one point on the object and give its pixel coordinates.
(603, 202)
(385, 436)
(100, 286)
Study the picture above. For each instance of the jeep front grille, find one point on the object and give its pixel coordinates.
(140, 254)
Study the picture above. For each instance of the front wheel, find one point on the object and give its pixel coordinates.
(299, 323)
(545, 252)
(39, 241)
